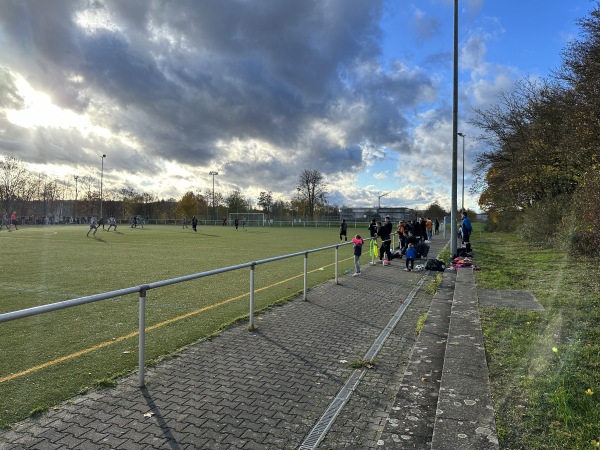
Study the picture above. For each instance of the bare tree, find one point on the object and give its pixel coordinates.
(13, 180)
(311, 190)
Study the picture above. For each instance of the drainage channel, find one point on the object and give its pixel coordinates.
(324, 424)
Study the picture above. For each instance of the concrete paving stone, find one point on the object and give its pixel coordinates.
(76, 430)
(134, 436)
(45, 444)
(508, 299)
(252, 445)
(211, 435)
(465, 407)
(236, 441)
(246, 417)
(475, 369)
(94, 436)
(69, 441)
(213, 426)
(456, 434)
(465, 384)
(466, 319)
(465, 336)
(22, 442)
(129, 444)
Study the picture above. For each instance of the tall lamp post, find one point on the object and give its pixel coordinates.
(213, 173)
(75, 208)
(379, 201)
(463, 170)
(101, 177)
(454, 218)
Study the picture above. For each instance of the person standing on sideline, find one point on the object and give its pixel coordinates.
(373, 228)
(358, 243)
(437, 226)
(429, 228)
(343, 231)
(236, 222)
(385, 233)
(183, 221)
(411, 254)
(194, 224)
(93, 226)
(401, 234)
(112, 223)
(244, 223)
(467, 229)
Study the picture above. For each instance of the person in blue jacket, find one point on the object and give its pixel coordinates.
(467, 229)
(411, 254)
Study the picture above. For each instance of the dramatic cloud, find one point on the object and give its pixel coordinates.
(258, 90)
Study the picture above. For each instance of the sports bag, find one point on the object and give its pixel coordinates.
(435, 265)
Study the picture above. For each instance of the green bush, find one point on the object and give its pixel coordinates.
(504, 221)
(584, 222)
(542, 224)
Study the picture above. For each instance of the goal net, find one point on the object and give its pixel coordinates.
(247, 219)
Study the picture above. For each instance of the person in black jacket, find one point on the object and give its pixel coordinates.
(344, 231)
(385, 233)
(373, 228)
(423, 226)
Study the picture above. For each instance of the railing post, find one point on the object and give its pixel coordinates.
(251, 324)
(305, 276)
(142, 337)
(336, 263)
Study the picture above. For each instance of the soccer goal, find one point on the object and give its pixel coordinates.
(251, 219)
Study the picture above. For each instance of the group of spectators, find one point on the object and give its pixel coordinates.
(409, 232)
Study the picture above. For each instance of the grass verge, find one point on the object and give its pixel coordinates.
(544, 366)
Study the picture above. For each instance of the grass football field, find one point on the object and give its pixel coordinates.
(48, 358)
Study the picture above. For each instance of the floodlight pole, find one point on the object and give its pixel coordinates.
(75, 208)
(463, 170)
(101, 177)
(213, 173)
(379, 201)
(453, 224)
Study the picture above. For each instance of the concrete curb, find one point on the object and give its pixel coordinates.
(410, 423)
(465, 413)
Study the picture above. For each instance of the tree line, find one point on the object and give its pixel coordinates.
(539, 174)
(35, 195)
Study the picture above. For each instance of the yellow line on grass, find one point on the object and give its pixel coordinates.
(135, 333)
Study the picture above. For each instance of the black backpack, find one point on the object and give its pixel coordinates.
(435, 265)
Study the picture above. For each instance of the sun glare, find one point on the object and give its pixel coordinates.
(39, 111)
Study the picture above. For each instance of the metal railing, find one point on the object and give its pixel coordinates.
(143, 289)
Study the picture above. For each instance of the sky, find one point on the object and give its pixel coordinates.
(260, 90)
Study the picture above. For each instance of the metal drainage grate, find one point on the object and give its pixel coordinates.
(319, 431)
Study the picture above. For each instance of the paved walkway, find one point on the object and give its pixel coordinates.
(265, 389)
